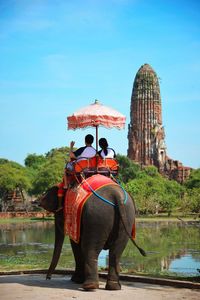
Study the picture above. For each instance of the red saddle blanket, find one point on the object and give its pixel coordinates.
(75, 199)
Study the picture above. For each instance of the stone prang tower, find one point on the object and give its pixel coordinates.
(146, 133)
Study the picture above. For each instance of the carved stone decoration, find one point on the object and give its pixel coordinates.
(146, 135)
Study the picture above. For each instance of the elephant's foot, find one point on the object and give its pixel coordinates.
(89, 286)
(113, 285)
(77, 278)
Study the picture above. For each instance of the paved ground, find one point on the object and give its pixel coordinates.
(36, 287)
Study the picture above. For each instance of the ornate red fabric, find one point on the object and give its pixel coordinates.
(75, 200)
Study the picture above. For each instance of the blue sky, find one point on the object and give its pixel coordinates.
(58, 56)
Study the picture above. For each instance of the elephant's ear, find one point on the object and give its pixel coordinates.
(49, 200)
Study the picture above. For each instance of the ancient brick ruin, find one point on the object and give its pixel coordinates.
(146, 133)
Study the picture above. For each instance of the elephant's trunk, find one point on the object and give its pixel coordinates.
(59, 239)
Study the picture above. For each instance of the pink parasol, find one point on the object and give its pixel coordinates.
(95, 115)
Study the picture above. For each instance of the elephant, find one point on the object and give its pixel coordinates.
(103, 226)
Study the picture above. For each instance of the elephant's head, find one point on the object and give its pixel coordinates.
(48, 200)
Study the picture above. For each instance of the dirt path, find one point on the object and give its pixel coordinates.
(35, 287)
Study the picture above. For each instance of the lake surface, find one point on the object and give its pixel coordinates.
(171, 248)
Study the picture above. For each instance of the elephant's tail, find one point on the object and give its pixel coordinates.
(139, 248)
(123, 217)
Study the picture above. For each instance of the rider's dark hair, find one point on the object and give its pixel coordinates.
(104, 145)
(89, 139)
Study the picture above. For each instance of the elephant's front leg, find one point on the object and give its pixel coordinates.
(78, 276)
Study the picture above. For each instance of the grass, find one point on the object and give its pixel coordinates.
(24, 220)
(148, 218)
(165, 217)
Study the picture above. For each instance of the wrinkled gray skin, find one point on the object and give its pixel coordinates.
(101, 228)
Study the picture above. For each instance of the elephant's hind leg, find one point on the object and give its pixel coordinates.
(115, 253)
(91, 274)
(91, 270)
(113, 275)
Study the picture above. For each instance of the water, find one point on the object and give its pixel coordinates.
(103, 259)
(171, 249)
(185, 265)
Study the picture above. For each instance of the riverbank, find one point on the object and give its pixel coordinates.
(41, 215)
(25, 215)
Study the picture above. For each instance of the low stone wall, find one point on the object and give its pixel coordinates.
(39, 214)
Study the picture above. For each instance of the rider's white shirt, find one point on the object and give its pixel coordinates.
(87, 153)
(110, 154)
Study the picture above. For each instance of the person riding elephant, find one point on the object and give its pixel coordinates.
(83, 152)
(106, 151)
(86, 151)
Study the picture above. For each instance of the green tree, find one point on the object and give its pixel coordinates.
(154, 194)
(51, 172)
(128, 170)
(34, 161)
(190, 202)
(145, 191)
(172, 194)
(49, 175)
(194, 179)
(151, 171)
(195, 200)
(47, 170)
(58, 152)
(13, 176)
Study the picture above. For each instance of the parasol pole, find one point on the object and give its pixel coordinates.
(96, 146)
(97, 138)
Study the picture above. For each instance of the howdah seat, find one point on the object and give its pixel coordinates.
(95, 165)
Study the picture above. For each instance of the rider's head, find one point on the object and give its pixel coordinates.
(89, 139)
(103, 143)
